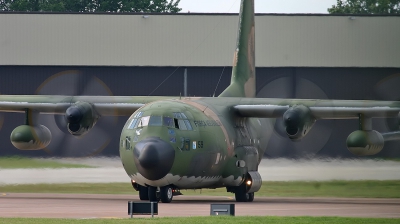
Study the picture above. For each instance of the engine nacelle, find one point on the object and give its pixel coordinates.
(365, 143)
(80, 117)
(298, 121)
(27, 137)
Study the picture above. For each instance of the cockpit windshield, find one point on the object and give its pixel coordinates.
(180, 121)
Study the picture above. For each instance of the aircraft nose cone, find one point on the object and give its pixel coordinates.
(149, 157)
(153, 158)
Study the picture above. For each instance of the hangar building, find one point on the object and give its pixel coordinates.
(297, 56)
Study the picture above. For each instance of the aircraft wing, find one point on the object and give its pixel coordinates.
(318, 109)
(299, 116)
(104, 105)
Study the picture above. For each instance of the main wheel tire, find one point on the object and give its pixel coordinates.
(143, 193)
(152, 194)
(166, 194)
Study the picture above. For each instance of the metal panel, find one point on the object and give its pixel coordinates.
(197, 40)
(328, 41)
(115, 40)
(324, 83)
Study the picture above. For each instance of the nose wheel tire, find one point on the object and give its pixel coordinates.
(166, 194)
(152, 194)
(143, 193)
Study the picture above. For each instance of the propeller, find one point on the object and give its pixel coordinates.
(75, 83)
(279, 143)
(388, 89)
(1, 119)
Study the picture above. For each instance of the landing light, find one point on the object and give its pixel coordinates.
(248, 182)
(133, 181)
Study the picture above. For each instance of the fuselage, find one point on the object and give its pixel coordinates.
(192, 143)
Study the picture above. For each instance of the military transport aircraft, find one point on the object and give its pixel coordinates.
(174, 143)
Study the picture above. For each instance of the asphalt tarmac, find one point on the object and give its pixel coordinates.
(115, 206)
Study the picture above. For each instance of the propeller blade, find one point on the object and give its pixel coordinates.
(74, 83)
(280, 144)
(388, 89)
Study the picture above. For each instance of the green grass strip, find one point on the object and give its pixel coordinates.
(208, 219)
(17, 162)
(346, 189)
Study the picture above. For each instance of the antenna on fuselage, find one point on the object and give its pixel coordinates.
(219, 81)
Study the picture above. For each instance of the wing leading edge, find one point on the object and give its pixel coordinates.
(319, 109)
(104, 105)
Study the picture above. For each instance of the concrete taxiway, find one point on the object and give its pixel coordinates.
(115, 206)
(110, 170)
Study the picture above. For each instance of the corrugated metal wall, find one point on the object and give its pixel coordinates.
(197, 40)
(324, 83)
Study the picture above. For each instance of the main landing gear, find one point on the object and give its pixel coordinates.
(244, 197)
(165, 194)
(241, 194)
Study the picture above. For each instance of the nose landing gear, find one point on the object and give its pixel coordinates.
(143, 191)
(154, 194)
(165, 194)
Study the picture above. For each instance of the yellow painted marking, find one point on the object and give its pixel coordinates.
(3, 194)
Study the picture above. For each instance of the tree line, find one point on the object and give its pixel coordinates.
(113, 6)
(171, 6)
(366, 7)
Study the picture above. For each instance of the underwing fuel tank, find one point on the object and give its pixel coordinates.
(365, 143)
(26, 137)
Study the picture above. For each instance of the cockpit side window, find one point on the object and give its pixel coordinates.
(134, 121)
(144, 121)
(188, 125)
(177, 115)
(176, 123)
(138, 114)
(183, 116)
(181, 122)
(182, 125)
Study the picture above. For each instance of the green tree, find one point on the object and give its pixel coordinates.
(90, 5)
(366, 7)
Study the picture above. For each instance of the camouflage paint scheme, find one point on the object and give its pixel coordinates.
(173, 143)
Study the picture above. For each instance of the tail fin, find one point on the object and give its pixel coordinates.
(243, 80)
